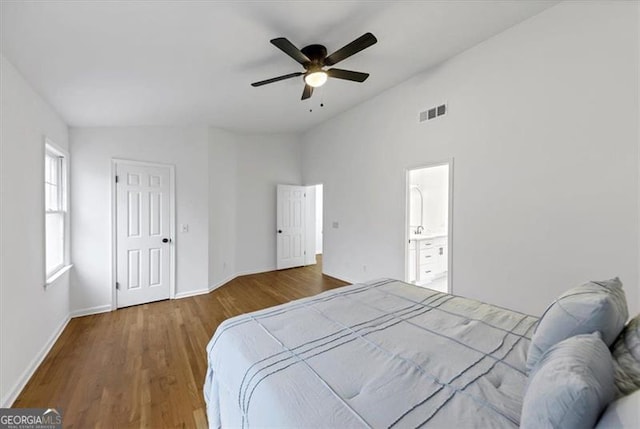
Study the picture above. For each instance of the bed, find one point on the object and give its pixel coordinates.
(378, 354)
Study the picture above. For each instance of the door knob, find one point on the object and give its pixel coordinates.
(279, 231)
(166, 240)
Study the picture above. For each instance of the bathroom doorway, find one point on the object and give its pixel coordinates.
(314, 222)
(428, 226)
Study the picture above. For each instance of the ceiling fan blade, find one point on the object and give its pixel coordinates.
(362, 42)
(348, 75)
(307, 92)
(276, 79)
(288, 48)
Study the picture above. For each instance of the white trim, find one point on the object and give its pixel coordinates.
(53, 147)
(450, 232)
(114, 217)
(91, 310)
(449, 162)
(337, 277)
(172, 224)
(49, 145)
(259, 271)
(310, 225)
(13, 393)
(191, 293)
(215, 286)
(222, 282)
(55, 276)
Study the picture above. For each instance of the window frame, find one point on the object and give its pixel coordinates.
(62, 207)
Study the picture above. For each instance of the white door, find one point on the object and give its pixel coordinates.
(143, 226)
(290, 226)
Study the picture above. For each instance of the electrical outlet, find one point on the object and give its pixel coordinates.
(335, 225)
(364, 268)
(184, 227)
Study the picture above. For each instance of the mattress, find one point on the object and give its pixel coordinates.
(384, 354)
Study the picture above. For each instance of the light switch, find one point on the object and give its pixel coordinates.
(184, 227)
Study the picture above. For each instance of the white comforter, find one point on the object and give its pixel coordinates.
(381, 354)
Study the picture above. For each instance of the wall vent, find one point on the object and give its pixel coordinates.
(433, 112)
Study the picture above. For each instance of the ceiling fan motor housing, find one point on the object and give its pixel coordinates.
(316, 53)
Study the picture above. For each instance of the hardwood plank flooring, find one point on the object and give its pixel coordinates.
(144, 366)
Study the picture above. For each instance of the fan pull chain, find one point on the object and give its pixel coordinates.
(321, 99)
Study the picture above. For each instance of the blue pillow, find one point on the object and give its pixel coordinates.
(594, 306)
(570, 386)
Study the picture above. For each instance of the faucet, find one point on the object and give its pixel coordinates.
(419, 229)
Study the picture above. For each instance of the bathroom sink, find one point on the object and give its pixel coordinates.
(427, 236)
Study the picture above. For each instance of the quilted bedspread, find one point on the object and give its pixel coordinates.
(381, 354)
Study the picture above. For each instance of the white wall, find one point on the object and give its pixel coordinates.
(264, 161)
(92, 150)
(543, 128)
(225, 188)
(223, 170)
(30, 316)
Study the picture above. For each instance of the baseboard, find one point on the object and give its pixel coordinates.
(10, 397)
(204, 290)
(190, 293)
(251, 272)
(341, 278)
(222, 282)
(91, 310)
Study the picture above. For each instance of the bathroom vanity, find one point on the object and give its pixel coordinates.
(427, 257)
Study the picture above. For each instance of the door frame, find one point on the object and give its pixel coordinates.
(172, 225)
(450, 163)
(310, 258)
(309, 222)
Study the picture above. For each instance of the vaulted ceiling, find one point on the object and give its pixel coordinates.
(133, 63)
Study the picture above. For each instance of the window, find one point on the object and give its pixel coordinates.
(56, 216)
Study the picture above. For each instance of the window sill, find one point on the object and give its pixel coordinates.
(55, 276)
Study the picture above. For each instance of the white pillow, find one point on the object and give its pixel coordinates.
(570, 386)
(594, 306)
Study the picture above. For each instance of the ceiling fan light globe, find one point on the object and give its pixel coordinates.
(316, 78)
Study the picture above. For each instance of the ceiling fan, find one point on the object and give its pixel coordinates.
(314, 59)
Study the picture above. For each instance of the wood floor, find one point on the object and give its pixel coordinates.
(144, 366)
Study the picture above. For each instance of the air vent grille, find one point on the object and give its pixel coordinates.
(433, 113)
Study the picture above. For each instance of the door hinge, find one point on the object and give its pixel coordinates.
(117, 286)
(305, 252)
(305, 195)
(116, 179)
